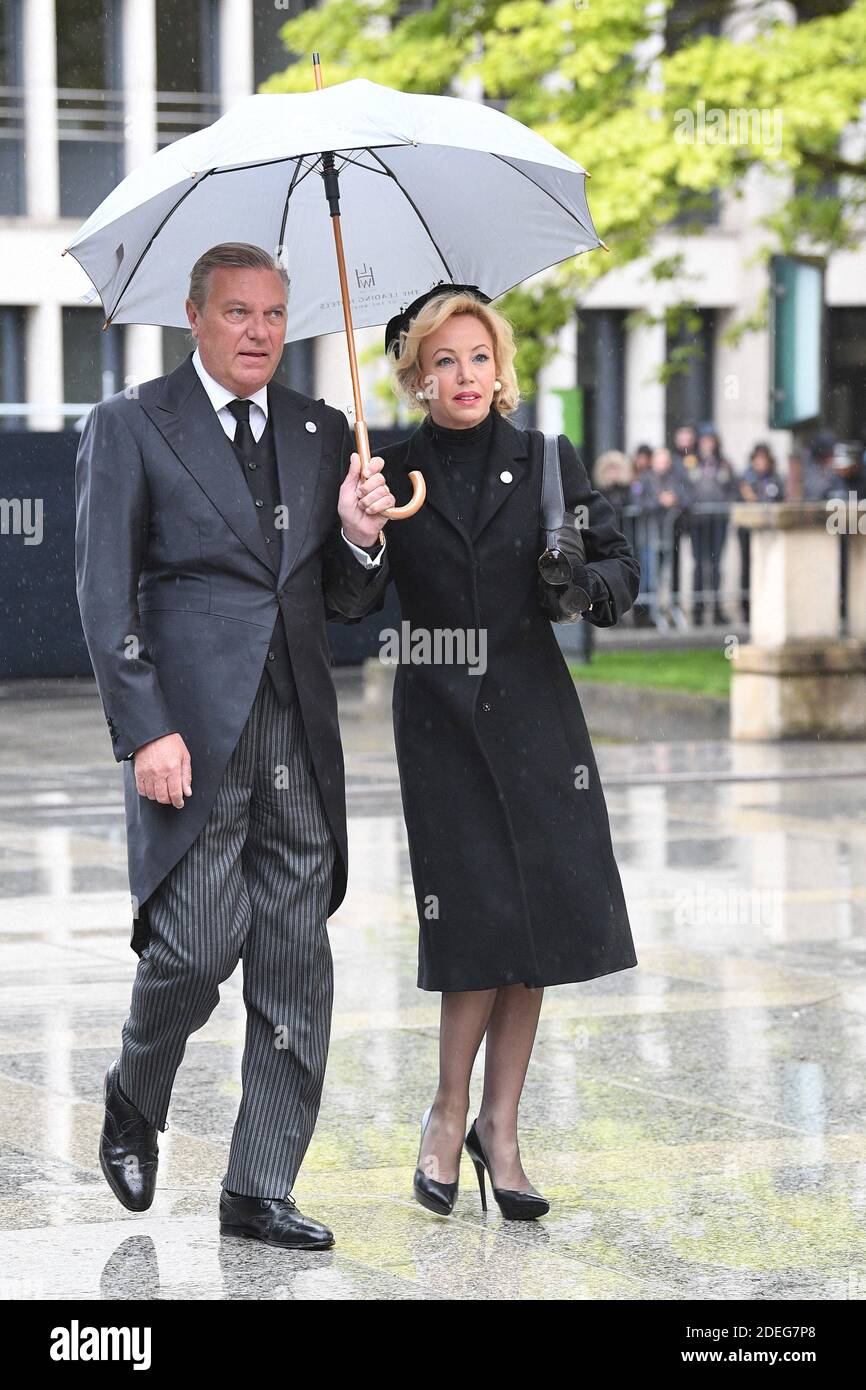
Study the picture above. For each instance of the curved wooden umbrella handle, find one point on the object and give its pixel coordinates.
(419, 487)
(419, 492)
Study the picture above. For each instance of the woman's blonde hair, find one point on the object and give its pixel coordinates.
(611, 467)
(406, 361)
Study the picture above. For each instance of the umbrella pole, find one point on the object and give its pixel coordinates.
(362, 442)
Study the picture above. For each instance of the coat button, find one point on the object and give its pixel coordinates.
(311, 426)
(259, 502)
(505, 476)
(271, 656)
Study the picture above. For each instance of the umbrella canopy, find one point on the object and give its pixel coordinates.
(431, 189)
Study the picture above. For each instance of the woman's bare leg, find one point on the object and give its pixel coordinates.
(510, 1037)
(464, 1017)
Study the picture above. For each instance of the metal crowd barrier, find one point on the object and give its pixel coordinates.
(659, 539)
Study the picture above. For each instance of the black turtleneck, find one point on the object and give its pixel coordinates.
(463, 454)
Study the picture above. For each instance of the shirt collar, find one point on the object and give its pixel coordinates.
(220, 395)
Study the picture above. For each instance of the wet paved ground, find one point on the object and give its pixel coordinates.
(698, 1123)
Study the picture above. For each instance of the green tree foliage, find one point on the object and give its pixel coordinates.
(659, 111)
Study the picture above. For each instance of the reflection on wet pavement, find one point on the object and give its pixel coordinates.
(697, 1123)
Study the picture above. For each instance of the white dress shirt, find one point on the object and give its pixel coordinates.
(220, 396)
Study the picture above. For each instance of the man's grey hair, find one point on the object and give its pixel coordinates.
(234, 253)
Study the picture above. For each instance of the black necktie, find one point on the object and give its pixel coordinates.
(243, 432)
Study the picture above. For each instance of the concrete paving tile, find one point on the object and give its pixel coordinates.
(698, 1123)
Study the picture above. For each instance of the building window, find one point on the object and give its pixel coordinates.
(13, 363)
(93, 360)
(819, 9)
(685, 22)
(187, 67)
(845, 411)
(689, 393)
(176, 345)
(600, 381)
(11, 111)
(297, 368)
(89, 103)
(269, 52)
(688, 20)
(405, 8)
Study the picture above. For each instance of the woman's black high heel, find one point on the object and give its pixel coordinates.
(516, 1206)
(435, 1196)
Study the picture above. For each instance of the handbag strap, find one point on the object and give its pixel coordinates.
(552, 499)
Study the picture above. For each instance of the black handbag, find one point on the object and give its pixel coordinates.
(561, 599)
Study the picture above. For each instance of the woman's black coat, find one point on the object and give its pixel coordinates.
(514, 874)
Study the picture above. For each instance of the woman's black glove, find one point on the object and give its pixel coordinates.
(567, 587)
(599, 573)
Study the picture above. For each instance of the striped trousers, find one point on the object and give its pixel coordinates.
(254, 885)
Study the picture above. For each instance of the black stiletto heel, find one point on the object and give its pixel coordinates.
(435, 1196)
(514, 1205)
(479, 1173)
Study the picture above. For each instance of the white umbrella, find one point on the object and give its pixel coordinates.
(433, 189)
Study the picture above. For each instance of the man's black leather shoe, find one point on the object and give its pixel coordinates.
(274, 1220)
(128, 1153)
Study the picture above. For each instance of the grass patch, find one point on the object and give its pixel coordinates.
(703, 671)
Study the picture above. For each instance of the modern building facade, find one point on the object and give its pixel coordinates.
(90, 88)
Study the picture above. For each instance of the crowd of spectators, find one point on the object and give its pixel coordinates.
(663, 494)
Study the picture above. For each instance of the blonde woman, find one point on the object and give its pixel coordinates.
(514, 875)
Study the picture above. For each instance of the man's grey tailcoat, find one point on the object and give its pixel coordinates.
(178, 595)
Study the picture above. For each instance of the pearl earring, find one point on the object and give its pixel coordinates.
(497, 385)
(419, 395)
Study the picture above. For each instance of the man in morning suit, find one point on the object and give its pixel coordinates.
(221, 520)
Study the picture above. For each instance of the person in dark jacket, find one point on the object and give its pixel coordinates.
(612, 476)
(849, 472)
(660, 493)
(640, 493)
(685, 451)
(818, 476)
(684, 458)
(760, 483)
(515, 880)
(712, 488)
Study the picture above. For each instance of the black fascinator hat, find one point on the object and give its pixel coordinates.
(400, 322)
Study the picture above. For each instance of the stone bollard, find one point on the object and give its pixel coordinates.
(857, 581)
(796, 678)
